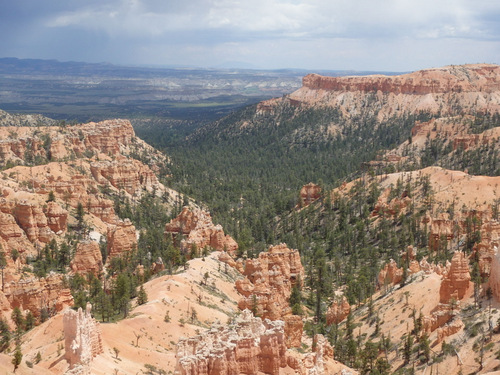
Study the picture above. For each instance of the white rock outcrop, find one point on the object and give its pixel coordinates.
(82, 338)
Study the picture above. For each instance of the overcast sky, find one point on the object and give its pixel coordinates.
(387, 35)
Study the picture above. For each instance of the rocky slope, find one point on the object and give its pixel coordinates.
(440, 227)
(443, 91)
(438, 288)
(165, 334)
(60, 169)
(7, 119)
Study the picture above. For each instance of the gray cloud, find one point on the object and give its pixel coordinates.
(335, 34)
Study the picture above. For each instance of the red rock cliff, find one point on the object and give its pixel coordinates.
(87, 258)
(121, 238)
(269, 280)
(200, 231)
(442, 80)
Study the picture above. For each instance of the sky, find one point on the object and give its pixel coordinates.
(368, 35)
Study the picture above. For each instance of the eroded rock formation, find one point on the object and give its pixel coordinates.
(468, 78)
(34, 294)
(121, 238)
(450, 90)
(32, 220)
(127, 174)
(57, 217)
(338, 311)
(247, 347)
(439, 316)
(88, 258)
(456, 325)
(82, 337)
(309, 193)
(390, 274)
(197, 227)
(294, 326)
(457, 281)
(494, 279)
(268, 282)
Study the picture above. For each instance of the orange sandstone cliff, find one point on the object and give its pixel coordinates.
(198, 230)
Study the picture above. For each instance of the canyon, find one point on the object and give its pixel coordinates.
(218, 303)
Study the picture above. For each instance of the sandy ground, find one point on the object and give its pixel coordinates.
(156, 345)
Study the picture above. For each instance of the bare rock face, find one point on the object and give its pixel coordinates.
(128, 174)
(315, 362)
(456, 325)
(88, 258)
(392, 207)
(200, 231)
(224, 257)
(108, 136)
(309, 193)
(294, 326)
(441, 80)
(390, 274)
(82, 337)
(247, 347)
(57, 217)
(102, 208)
(269, 280)
(9, 228)
(439, 316)
(338, 311)
(33, 221)
(494, 279)
(121, 238)
(487, 250)
(474, 87)
(457, 281)
(34, 294)
(441, 229)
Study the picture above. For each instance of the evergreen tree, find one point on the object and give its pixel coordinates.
(3, 264)
(425, 347)
(142, 296)
(17, 358)
(80, 213)
(296, 300)
(18, 318)
(320, 282)
(122, 293)
(51, 197)
(408, 347)
(4, 335)
(29, 321)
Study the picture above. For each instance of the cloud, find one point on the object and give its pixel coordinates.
(172, 31)
(285, 19)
